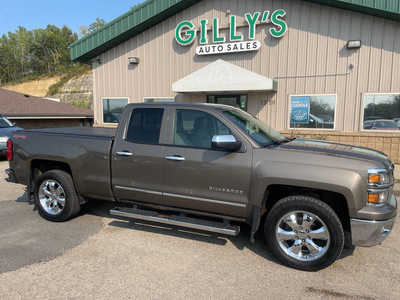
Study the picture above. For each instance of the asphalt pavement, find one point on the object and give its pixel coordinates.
(96, 256)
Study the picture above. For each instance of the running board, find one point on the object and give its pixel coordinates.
(153, 216)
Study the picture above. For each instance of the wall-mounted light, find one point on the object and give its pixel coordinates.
(98, 61)
(353, 44)
(133, 60)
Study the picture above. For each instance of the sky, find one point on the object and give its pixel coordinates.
(33, 14)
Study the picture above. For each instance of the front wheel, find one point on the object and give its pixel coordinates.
(304, 233)
(55, 196)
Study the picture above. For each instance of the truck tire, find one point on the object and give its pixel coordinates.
(304, 233)
(55, 196)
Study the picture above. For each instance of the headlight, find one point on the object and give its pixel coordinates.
(3, 139)
(379, 178)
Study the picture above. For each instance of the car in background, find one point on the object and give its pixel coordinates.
(7, 128)
(381, 125)
(397, 120)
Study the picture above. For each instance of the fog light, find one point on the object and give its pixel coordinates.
(378, 198)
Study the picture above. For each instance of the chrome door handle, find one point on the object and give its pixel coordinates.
(124, 153)
(175, 158)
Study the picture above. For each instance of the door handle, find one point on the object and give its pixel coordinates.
(175, 158)
(124, 153)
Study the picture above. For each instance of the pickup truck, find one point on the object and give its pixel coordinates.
(214, 168)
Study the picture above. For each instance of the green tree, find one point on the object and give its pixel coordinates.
(39, 51)
(99, 23)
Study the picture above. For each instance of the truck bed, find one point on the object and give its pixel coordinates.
(78, 131)
(85, 151)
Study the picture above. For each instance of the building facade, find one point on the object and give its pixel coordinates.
(303, 67)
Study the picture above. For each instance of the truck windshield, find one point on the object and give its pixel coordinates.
(259, 132)
(4, 123)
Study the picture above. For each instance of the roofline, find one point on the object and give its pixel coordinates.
(152, 12)
(135, 21)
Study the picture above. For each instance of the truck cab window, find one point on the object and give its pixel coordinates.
(196, 128)
(145, 126)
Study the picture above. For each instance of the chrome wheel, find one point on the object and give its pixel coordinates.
(52, 197)
(302, 235)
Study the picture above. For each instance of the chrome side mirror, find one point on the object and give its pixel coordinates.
(226, 142)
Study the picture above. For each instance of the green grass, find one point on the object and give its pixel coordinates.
(81, 104)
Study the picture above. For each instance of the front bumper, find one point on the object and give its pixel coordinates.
(365, 233)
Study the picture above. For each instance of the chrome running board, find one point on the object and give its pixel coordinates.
(153, 216)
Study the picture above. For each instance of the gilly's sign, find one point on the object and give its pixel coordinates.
(186, 33)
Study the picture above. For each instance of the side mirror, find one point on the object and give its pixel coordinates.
(226, 142)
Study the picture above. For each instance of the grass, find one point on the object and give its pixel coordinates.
(81, 104)
(27, 78)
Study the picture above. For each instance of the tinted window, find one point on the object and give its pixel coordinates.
(239, 101)
(312, 111)
(112, 109)
(196, 129)
(382, 112)
(145, 126)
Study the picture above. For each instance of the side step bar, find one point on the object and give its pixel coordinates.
(187, 222)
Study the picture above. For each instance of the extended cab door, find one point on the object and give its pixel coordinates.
(137, 157)
(199, 177)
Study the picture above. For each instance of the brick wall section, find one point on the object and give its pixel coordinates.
(381, 141)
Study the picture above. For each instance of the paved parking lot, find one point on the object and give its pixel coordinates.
(98, 257)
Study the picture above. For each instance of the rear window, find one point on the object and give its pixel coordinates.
(145, 126)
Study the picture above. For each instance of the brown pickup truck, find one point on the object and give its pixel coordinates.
(213, 168)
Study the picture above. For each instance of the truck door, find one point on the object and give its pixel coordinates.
(199, 177)
(137, 158)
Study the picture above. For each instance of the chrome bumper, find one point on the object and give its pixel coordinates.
(370, 233)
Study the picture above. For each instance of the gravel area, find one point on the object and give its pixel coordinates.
(129, 260)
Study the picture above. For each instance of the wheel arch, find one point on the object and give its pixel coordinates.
(40, 166)
(337, 201)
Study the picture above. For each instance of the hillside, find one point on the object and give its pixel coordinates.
(38, 88)
(75, 87)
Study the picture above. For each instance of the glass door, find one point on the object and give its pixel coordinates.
(239, 101)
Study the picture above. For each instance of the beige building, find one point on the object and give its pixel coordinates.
(304, 67)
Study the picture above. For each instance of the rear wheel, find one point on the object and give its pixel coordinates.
(304, 233)
(55, 196)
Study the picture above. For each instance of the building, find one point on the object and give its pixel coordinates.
(34, 112)
(321, 69)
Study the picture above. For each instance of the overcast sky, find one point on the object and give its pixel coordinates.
(33, 14)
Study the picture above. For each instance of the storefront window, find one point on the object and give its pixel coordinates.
(158, 100)
(316, 112)
(239, 101)
(113, 108)
(381, 112)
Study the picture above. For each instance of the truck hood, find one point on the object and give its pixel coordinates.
(339, 150)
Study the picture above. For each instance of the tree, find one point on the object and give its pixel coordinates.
(99, 23)
(38, 51)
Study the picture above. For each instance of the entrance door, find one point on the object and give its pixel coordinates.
(239, 101)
